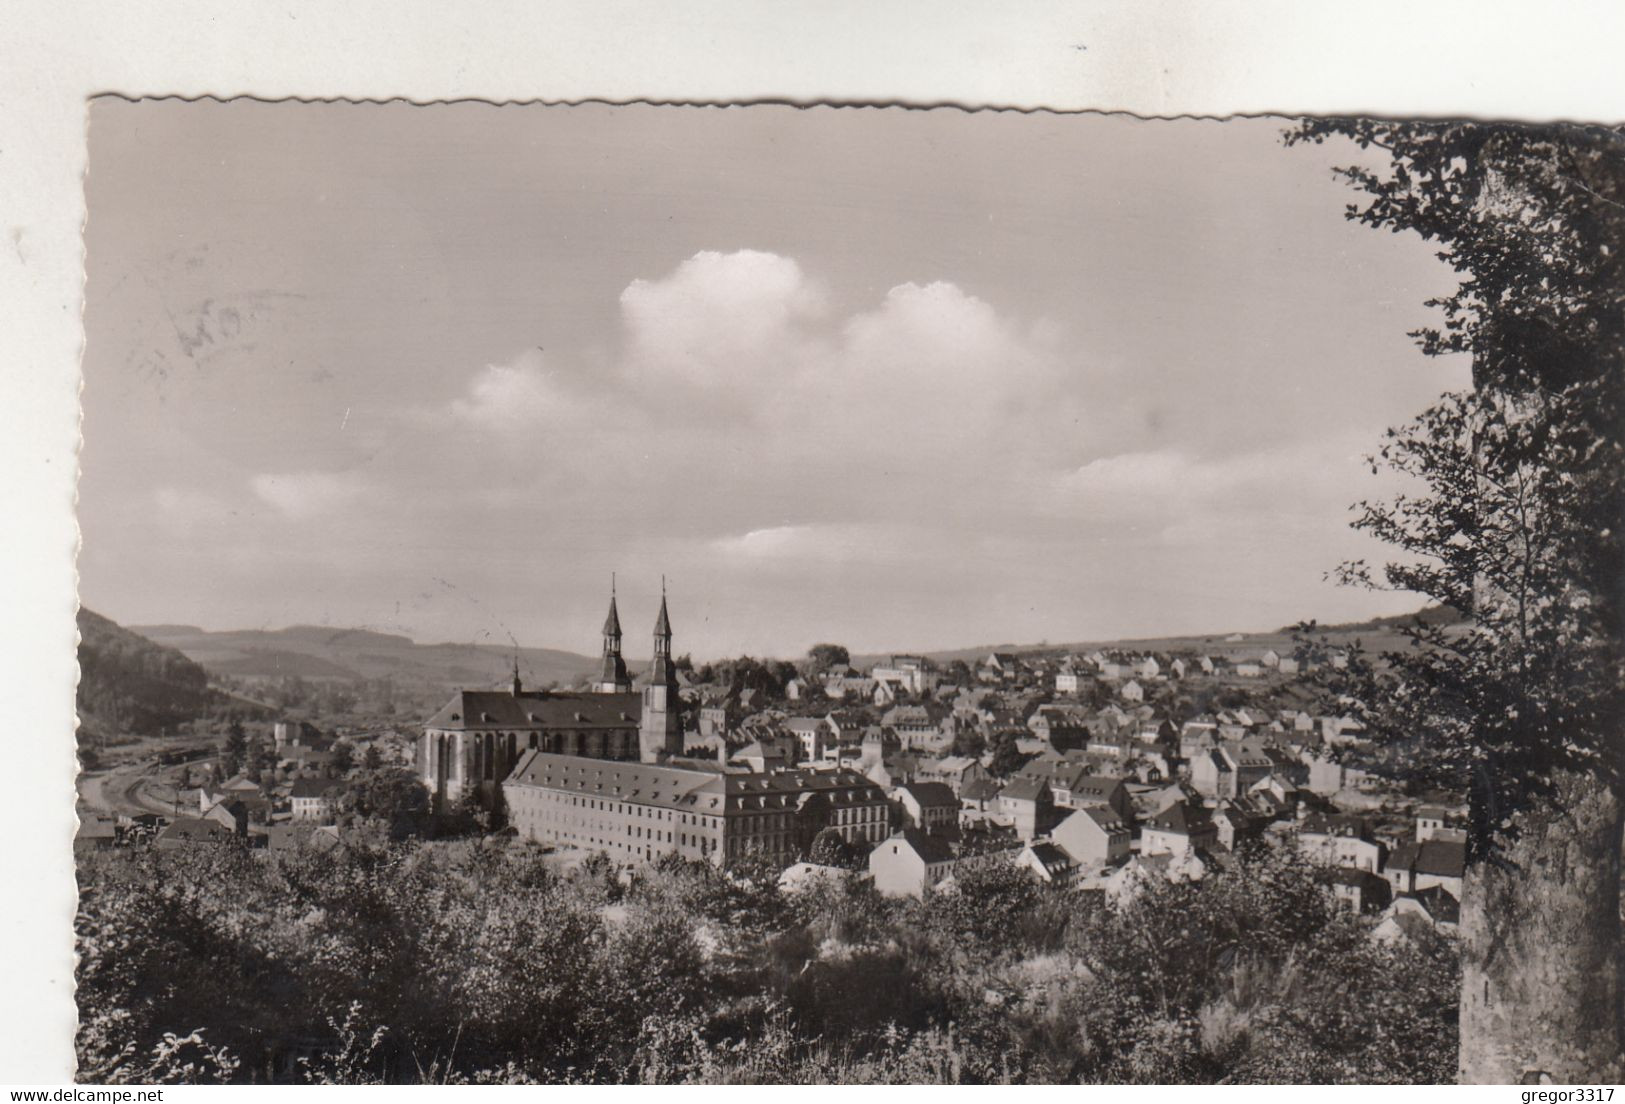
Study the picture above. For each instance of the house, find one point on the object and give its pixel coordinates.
(1148, 668)
(191, 831)
(1236, 825)
(920, 725)
(1326, 776)
(1048, 862)
(1132, 691)
(954, 770)
(767, 752)
(1360, 890)
(1230, 769)
(315, 799)
(1434, 862)
(297, 834)
(1287, 666)
(803, 877)
(1115, 746)
(1440, 822)
(1004, 665)
(716, 720)
(1068, 681)
(231, 815)
(879, 744)
(1177, 668)
(1435, 905)
(95, 833)
(910, 862)
(1026, 803)
(1213, 773)
(898, 770)
(1340, 840)
(1073, 787)
(1095, 836)
(1205, 665)
(812, 734)
(1270, 658)
(978, 801)
(1179, 829)
(929, 806)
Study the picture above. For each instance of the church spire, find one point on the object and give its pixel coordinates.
(518, 687)
(663, 671)
(660, 736)
(613, 679)
(663, 622)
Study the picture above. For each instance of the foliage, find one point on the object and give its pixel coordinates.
(1007, 758)
(234, 750)
(480, 963)
(1516, 519)
(128, 684)
(829, 848)
(391, 797)
(821, 657)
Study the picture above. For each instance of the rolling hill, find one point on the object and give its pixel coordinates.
(129, 685)
(315, 652)
(1379, 634)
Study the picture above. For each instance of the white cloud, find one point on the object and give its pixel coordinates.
(720, 319)
(1191, 499)
(522, 392)
(826, 544)
(304, 495)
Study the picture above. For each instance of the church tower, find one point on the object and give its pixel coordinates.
(661, 734)
(613, 679)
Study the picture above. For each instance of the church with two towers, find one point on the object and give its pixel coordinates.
(471, 745)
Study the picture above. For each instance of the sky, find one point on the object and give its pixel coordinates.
(902, 380)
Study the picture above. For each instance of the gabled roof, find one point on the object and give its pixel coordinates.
(931, 794)
(1106, 817)
(537, 710)
(1440, 905)
(1050, 855)
(979, 789)
(1336, 824)
(1024, 789)
(1442, 858)
(931, 849)
(1182, 818)
(196, 830)
(313, 787)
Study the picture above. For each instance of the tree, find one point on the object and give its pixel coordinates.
(372, 758)
(233, 750)
(1007, 758)
(342, 757)
(968, 740)
(1517, 523)
(829, 848)
(393, 796)
(821, 657)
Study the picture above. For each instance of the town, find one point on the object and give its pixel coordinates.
(1102, 772)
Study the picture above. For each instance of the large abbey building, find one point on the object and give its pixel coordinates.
(603, 770)
(472, 744)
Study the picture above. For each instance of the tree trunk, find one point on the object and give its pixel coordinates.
(1540, 928)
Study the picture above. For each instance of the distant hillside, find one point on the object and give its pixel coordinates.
(315, 653)
(1428, 615)
(129, 685)
(1378, 634)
